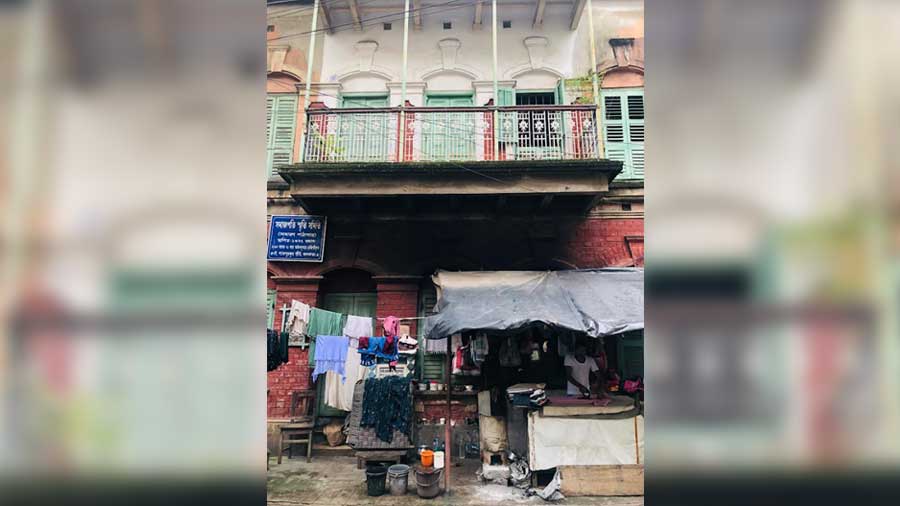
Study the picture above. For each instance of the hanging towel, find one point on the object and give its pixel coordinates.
(391, 323)
(435, 346)
(358, 326)
(339, 395)
(331, 354)
(323, 323)
(298, 319)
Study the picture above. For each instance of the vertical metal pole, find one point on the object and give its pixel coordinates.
(447, 442)
(597, 129)
(311, 58)
(496, 87)
(401, 128)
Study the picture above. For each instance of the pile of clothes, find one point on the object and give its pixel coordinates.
(527, 395)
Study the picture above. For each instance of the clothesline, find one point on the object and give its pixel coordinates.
(286, 308)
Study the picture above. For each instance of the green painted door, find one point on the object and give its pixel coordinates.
(623, 130)
(449, 135)
(281, 122)
(358, 304)
(364, 137)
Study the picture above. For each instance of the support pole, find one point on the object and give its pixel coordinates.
(496, 87)
(597, 129)
(447, 442)
(401, 130)
(311, 58)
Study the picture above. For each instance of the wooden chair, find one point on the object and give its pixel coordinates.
(304, 411)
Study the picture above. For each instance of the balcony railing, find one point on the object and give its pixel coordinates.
(438, 134)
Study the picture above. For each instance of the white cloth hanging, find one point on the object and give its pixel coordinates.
(358, 326)
(340, 394)
(298, 319)
(436, 346)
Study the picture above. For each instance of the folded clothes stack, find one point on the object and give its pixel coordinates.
(527, 395)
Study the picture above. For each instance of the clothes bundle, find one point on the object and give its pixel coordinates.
(298, 320)
(479, 348)
(527, 395)
(372, 348)
(276, 349)
(387, 405)
(330, 355)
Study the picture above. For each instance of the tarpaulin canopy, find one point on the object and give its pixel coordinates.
(598, 302)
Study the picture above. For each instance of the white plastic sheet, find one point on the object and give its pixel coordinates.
(574, 441)
(598, 302)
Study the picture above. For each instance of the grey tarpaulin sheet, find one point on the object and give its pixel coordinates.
(598, 302)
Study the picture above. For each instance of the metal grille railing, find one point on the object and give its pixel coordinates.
(433, 134)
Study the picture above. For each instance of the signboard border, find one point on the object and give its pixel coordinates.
(272, 231)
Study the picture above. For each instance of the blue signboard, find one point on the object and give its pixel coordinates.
(297, 238)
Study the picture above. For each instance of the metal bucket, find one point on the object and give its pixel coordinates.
(398, 479)
(428, 482)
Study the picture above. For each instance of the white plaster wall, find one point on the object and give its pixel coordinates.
(562, 57)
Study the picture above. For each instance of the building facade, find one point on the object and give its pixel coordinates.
(484, 167)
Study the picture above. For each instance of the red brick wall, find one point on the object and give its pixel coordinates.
(602, 243)
(435, 410)
(296, 373)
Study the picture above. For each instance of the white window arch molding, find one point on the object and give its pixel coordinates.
(458, 78)
(373, 80)
(535, 78)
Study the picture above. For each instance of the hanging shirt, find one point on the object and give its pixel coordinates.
(331, 354)
(298, 319)
(581, 372)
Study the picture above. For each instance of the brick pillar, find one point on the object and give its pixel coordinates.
(398, 296)
(295, 374)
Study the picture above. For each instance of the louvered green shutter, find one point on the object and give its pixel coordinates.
(281, 122)
(623, 130)
(432, 366)
(270, 309)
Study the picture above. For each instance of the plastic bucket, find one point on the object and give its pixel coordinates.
(398, 479)
(439, 460)
(427, 458)
(428, 482)
(375, 477)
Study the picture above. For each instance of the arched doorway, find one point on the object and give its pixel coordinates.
(351, 292)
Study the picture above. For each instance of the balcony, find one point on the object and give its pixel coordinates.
(428, 160)
(458, 134)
